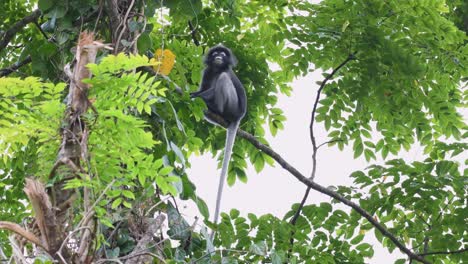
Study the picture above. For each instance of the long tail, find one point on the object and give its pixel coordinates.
(230, 138)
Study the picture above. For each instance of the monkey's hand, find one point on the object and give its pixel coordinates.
(194, 94)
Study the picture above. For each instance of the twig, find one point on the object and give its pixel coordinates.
(430, 226)
(101, 7)
(132, 256)
(193, 32)
(328, 142)
(96, 202)
(63, 161)
(42, 31)
(155, 205)
(145, 240)
(69, 235)
(17, 253)
(444, 252)
(124, 26)
(139, 32)
(317, 187)
(11, 32)
(312, 136)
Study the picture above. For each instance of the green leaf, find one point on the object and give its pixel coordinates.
(165, 171)
(128, 194)
(202, 207)
(144, 42)
(357, 239)
(277, 258)
(142, 179)
(260, 248)
(57, 12)
(358, 149)
(259, 162)
(345, 26)
(44, 5)
(228, 260)
(116, 203)
(234, 213)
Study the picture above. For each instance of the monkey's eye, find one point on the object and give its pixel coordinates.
(222, 53)
(214, 53)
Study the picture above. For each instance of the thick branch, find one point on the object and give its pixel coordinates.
(44, 213)
(10, 33)
(23, 233)
(7, 71)
(140, 252)
(307, 181)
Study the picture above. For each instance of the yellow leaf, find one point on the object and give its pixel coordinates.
(166, 59)
(344, 26)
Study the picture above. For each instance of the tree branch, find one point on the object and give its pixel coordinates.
(312, 136)
(311, 184)
(445, 252)
(193, 32)
(10, 33)
(15, 228)
(7, 71)
(140, 253)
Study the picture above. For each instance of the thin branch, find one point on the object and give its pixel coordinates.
(42, 31)
(445, 252)
(312, 136)
(124, 26)
(11, 32)
(329, 142)
(193, 32)
(132, 256)
(91, 209)
(142, 245)
(430, 226)
(69, 236)
(317, 187)
(319, 91)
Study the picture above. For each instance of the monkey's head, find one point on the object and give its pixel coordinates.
(220, 57)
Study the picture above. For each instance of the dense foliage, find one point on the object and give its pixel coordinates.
(401, 82)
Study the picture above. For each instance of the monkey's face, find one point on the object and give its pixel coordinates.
(219, 58)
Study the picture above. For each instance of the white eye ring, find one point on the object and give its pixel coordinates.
(222, 53)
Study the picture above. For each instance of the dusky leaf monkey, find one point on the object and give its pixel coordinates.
(225, 96)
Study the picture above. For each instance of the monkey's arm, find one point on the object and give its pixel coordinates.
(240, 91)
(204, 84)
